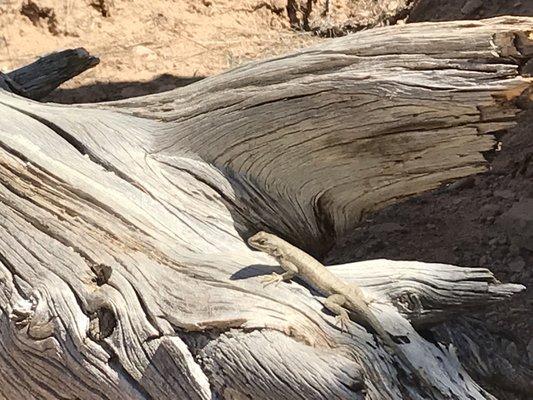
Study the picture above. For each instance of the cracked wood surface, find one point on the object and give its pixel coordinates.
(388, 113)
(123, 270)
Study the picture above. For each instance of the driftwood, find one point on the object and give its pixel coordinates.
(39, 78)
(123, 267)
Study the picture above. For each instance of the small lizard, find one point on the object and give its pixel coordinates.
(341, 297)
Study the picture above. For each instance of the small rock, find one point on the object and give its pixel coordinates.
(514, 250)
(518, 222)
(483, 260)
(505, 194)
(528, 67)
(489, 209)
(431, 226)
(512, 349)
(470, 6)
(530, 351)
(360, 253)
(465, 183)
(145, 52)
(517, 265)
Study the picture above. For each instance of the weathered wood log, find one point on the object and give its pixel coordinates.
(39, 78)
(123, 269)
(427, 293)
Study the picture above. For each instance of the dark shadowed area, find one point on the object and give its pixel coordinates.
(108, 91)
(447, 10)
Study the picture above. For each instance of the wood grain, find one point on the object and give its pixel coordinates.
(123, 267)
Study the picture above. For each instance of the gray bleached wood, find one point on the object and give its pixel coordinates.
(399, 109)
(427, 293)
(123, 270)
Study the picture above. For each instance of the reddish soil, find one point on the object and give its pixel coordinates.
(144, 46)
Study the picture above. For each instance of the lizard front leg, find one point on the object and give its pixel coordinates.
(290, 271)
(334, 303)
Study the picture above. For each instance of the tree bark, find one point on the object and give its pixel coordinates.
(124, 271)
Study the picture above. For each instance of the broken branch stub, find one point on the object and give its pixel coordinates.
(38, 79)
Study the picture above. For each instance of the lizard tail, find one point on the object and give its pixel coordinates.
(394, 348)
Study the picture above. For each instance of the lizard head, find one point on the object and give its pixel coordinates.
(264, 241)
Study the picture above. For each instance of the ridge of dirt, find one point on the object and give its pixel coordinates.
(447, 10)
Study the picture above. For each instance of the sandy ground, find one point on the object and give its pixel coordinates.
(139, 40)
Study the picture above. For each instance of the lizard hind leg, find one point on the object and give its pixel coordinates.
(334, 303)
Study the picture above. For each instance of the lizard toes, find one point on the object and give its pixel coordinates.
(270, 279)
(342, 322)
